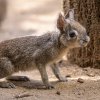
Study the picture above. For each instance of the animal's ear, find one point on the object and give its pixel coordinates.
(70, 14)
(61, 22)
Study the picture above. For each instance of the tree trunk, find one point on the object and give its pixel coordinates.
(87, 12)
(3, 8)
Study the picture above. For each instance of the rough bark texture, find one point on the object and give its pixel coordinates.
(87, 12)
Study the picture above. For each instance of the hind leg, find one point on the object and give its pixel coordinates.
(6, 69)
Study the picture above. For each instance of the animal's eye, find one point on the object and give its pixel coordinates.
(72, 34)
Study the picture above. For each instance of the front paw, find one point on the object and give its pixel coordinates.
(49, 86)
(63, 79)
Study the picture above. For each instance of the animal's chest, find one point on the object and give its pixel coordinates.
(57, 55)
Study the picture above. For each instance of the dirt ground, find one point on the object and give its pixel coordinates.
(87, 88)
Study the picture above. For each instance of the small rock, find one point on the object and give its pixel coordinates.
(79, 93)
(85, 69)
(68, 75)
(80, 80)
(58, 93)
(91, 75)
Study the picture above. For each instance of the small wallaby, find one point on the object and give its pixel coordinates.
(30, 52)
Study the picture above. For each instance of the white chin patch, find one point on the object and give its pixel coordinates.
(68, 21)
(82, 44)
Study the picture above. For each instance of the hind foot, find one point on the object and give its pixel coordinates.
(7, 85)
(18, 78)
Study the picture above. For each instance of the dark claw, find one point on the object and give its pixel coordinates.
(12, 85)
(7, 85)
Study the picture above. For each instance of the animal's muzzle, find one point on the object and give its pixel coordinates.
(84, 41)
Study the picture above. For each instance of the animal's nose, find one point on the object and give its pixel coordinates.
(72, 34)
(87, 39)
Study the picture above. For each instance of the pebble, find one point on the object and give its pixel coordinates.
(58, 93)
(68, 75)
(91, 75)
(80, 80)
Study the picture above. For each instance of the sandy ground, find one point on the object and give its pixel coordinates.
(88, 89)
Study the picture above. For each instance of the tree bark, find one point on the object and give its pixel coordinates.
(87, 12)
(3, 9)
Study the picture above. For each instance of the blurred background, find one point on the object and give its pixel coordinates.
(26, 17)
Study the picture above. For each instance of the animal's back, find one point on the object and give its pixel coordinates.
(20, 51)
